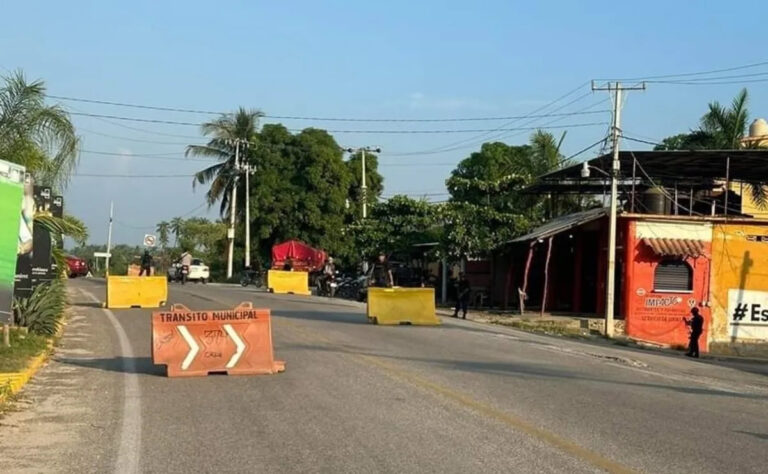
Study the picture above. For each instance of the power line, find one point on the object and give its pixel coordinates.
(457, 145)
(437, 131)
(689, 83)
(718, 78)
(688, 74)
(154, 156)
(311, 118)
(138, 140)
(97, 175)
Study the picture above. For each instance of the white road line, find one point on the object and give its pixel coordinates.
(193, 347)
(238, 343)
(129, 451)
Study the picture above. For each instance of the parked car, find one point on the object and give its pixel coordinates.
(76, 266)
(198, 272)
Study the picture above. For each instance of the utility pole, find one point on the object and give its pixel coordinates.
(610, 284)
(109, 236)
(232, 207)
(247, 169)
(363, 186)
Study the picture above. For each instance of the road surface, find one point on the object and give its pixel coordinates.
(462, 397)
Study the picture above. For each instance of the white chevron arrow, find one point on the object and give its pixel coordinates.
(238, 343)
(193, 347)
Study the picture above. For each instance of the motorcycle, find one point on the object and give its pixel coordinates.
(327, 285)
(251, 277)
(184, 273)
(349, 287)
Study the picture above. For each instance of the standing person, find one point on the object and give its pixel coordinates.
(696, 323)
(288, 265)
(382, 274)
(146, 264)
(462, 296)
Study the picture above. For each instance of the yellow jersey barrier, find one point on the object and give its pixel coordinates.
(136, 292)
(402, 306)
(282, 282)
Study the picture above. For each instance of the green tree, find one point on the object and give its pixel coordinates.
(487, 205)
(224, 132)
(38, 136)
(395, 225)
(163, 230)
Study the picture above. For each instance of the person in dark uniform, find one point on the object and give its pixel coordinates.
(146, 264)
(288, 265)
(696, 323)
(382, 274)
(462, 296)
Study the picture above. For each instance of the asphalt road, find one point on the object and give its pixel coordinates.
(462, 397)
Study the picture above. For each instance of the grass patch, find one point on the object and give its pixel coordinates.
(23, 348)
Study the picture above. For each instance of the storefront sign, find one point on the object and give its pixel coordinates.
(23, 280)
(42, 268)
(748, 314)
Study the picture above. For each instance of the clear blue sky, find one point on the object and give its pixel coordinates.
(402, 59)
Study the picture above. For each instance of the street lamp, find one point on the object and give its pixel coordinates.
(363, 187)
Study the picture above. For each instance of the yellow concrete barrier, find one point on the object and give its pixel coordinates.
(402, 306)
(296, 283)
(136, 292)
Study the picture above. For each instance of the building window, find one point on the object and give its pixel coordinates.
(673, 276)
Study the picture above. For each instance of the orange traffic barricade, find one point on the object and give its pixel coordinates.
(195, 343)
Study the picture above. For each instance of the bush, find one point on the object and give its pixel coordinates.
(41, 312)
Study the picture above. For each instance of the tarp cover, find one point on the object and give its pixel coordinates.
(302, 255)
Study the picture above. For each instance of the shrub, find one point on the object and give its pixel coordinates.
(41, 312)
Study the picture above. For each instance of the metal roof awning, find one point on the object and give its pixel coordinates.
(562, 224)
(675, 247)
(689, 168)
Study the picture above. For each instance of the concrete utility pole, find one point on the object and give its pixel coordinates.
(109, 237)
(247, 169)
(610, 283)
(363, 186)
(232, 208)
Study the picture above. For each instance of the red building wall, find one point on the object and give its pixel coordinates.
(658, 316)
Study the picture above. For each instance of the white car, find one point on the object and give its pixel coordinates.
(198, 271)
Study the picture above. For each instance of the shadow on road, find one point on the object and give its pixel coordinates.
(536, 371)
(349, 318)
(126, 365)
(762, 436)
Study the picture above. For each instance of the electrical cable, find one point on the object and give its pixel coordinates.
(310, 118)
(698, 73)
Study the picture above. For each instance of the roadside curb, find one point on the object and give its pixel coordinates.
(12, 382)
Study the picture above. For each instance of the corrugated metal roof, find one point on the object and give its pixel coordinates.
(675, 247)
(561, 224)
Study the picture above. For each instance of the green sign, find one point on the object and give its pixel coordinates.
(11, 192)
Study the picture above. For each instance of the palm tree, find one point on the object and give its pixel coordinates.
(224, 132)
(176, 226)
(38, 136)
(163, 231)
(726, 126)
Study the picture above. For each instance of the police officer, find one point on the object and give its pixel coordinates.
(696, 323)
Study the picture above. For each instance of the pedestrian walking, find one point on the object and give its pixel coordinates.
(696, 323)
(462, 296)
(146, 264)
